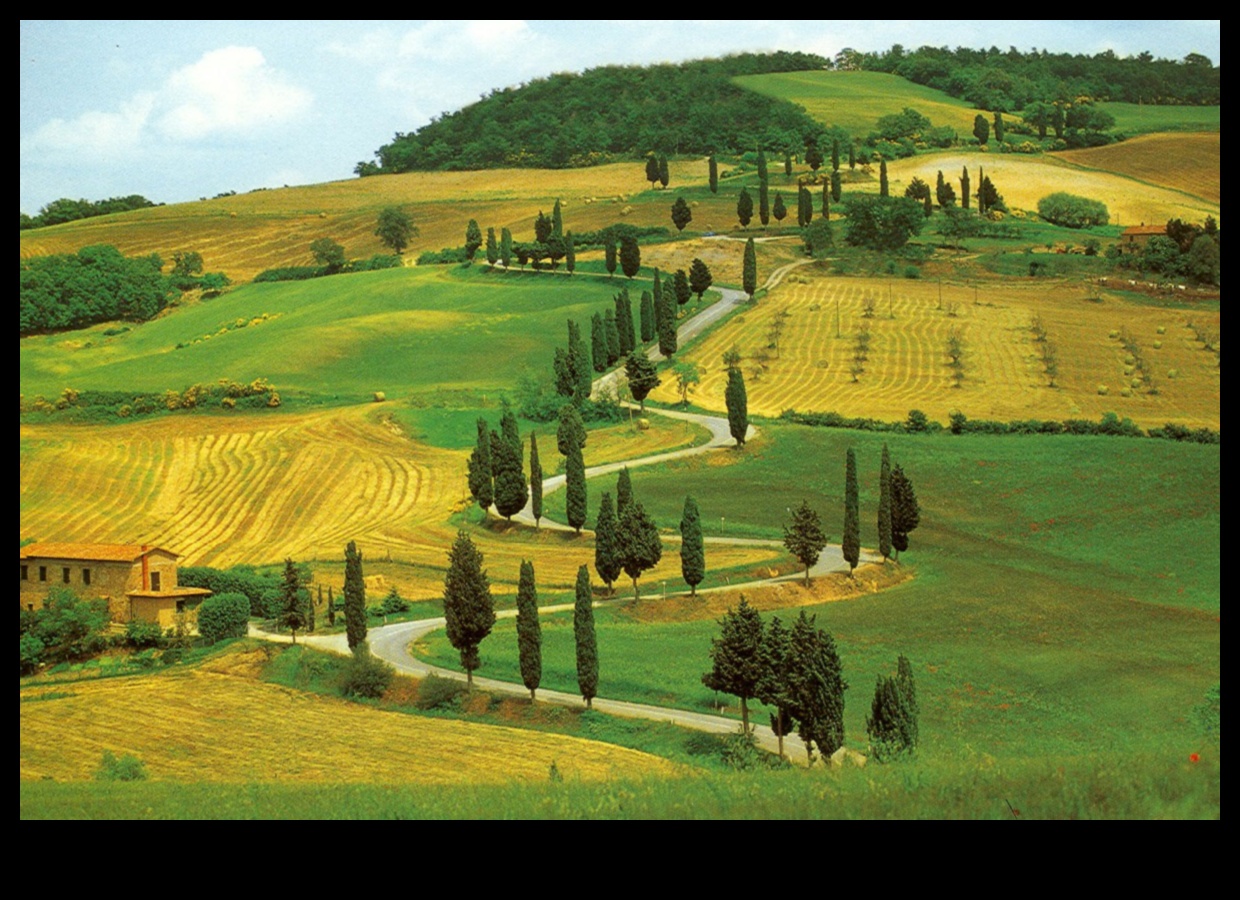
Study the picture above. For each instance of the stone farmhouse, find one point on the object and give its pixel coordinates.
(1135, 237)
(137, 580)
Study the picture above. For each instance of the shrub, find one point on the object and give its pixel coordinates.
(140, 634)
(365, 675)
(437, 693)
(1072, 211)
(224, 616)
(125, 768)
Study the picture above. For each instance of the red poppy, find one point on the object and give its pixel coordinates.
(1193, 757)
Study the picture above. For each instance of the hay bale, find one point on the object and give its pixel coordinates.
(643, 424)
(1103, 390)
(1157, 345)
(1126, 392)
(1162, 329)
(380, 396)
(1173, 373)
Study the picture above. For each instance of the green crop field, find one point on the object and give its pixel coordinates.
(857, 100)
(1131, 118)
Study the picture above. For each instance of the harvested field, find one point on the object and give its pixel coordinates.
(213, 724)
(1184, 162)
(907, 365)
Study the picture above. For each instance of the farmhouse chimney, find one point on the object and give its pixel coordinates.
(146, 570)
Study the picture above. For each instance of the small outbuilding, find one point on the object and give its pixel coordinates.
(1135, 237)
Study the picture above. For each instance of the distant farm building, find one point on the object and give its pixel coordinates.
(138, 581)
(1136, 237)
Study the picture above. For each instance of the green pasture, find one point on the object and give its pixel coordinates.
(1066, 595)
(1133, 118)
(401, 331)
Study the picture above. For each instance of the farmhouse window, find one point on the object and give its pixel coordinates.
(180, 606)
(64, 574)
(154, 581)
(25, 573)
(86, 576)
(43, 573)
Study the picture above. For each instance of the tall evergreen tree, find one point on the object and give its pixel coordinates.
(492, 248)
(292, 604)
(749, 269)
(331, 607)
(579, 364)
(813, 155)
(647, 317)
(570, 430)
(586, 643)
(804, 538)
(630, 256)
(892, 723)
(926, 206)
(570, 254)
(609, 254)
(542, 228)
(481, 476)
(598, 343)
(536, 482)
(787, 168)
(835, 155)
(624, 490)
(803, 203)
(944, 193)
(664, 176)
(764, 203)
(884, 505)
(643, 376)
(611, 336)
(852, 517)
(905, 513)
(468, 609)
(680, 287)
(826, 201)
(575, 484)
(692, 549)
(505, 248)
(744, 208)
(473, 239)
(667, 325)
(529, 631)
(964, 188)
(557, 220)
(681, 214)
(511, 493)
(656, 291)
(738, 405)
(713, 169)
(700, 278)
(736, 657)
(999, 127)
(637, 542)
(354, 597)
(606, 559)
(762, 172)
(778, 210)
(652, 169)
(835, 187)
(508, 428)
(852, 155)
(981, 129)
(624, 322)
(904, 680)
(775, 681)
(818, 687)
(882, 178)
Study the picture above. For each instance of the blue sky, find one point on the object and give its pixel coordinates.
(176, 110)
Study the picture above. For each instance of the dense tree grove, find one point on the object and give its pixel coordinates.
(96, 284)
(66, 210)
(557, 122)
(881, 223)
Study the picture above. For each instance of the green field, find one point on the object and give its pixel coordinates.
(399, 331)
(1047, 616)
(857, 100)
(1132, 118)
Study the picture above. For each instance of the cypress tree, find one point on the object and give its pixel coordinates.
(749, 269)
(656, 293)
(468, 609)
(882, 178)
(802, 203)
(762, 173)
(611, 334)
(652, 169)
(981, 129)
(964, 188)
(624, 322)
(926, 206)
(643, 377)
(778, 210)
(700, 278)
(787, 167)
(557, 220)
(647, 317)
(907, 686)
(583, 634)
(331, 607)
(473, 239)
(570, 254)
(292, 615)
(852, 155)
(681, 214)
(606, 560)
(511, 493)
(981, 201)
(542, 228)
(571, 430)
(536, 482)
(764, 203)
(775, 680)
(492, 248)
(813, 155)
(736, 657)
(835, 155)
(744, 208)
(579, 364)
(354, 597)
(826, 201)
(663, 173)
(852, 518)
(505, 248)
(804, 538)
(680, 287)
(905, 513)
(598, 343)
(692, 550)
(817, 686)
(738, 405)
(609, 254)
(999, 127)
(835, 186)
(630, 256)
(637, 541)
(529, 632)
(713, 167)
(884, 505)
(481, 477)
(508, 428)
(575, 494)
(667, 324)
(624, 490)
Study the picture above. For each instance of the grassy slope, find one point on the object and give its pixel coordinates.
(1047, 616)
(1185, 162)
(1131, 118)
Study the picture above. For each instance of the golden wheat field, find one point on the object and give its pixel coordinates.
(1024, 180)
(907, 366)
(218, 723)
(254, 489)
(1184, 162)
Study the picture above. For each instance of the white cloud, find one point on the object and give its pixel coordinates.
(231, 89)
(481, 41)
(97, 133)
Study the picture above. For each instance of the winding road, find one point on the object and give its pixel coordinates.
(391, 642)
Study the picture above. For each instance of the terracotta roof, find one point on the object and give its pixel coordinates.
(171, 592)
(1145, 229)
(97, 552)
